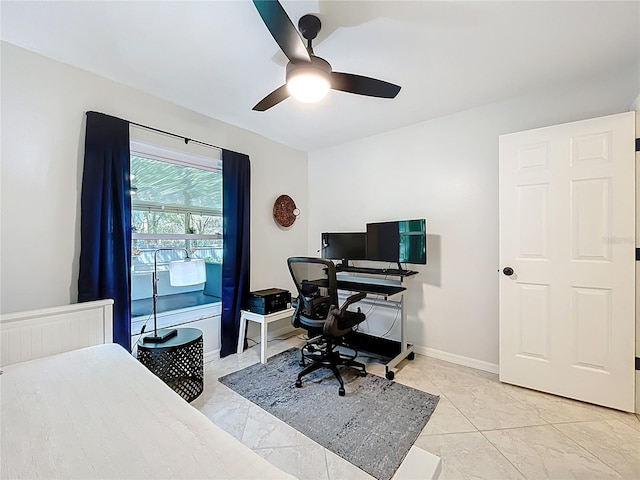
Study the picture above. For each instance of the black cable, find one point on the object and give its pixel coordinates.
(282, 339)
(273, 339)
(373, 305)
(142, 330)
(391, 327)
(396, 317)
(293, 334)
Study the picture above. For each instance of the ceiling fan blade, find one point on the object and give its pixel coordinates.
(271, 100)
(282, 30)
(348, 82)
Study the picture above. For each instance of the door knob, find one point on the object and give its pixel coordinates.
(508, 271)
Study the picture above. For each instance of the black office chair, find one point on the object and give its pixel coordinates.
(316, 310)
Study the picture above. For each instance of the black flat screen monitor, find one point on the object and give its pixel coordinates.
(344, 246)
(401, 241)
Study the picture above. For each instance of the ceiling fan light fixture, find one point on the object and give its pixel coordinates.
(308, 87)
(309, 82)
(316, 76)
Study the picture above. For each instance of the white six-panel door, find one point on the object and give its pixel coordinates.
(567, 225)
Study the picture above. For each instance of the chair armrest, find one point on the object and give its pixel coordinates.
(356, 297)
(295, 318)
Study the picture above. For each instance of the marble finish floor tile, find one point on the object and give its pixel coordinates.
(306, 462)
(468, 456)
(447, 419)
(415, 377)
(263, 430)
(488, 407)
(636, 425)
(339, 469)
(545, 453)
(555, 409)
(232, 363)
(444, 374)
(613, 442)
(228, 410)
(585, 441)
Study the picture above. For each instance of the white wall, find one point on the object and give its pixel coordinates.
(43, 124)
(445, 170)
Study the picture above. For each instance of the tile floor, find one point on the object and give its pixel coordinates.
(480, 429)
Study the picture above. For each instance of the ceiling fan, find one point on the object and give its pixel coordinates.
(308, 77)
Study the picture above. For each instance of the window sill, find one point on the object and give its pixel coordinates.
(171, 303)
(173, 310)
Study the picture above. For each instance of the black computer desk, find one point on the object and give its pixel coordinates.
(396, 351)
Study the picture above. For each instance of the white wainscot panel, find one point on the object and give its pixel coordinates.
(203, 317)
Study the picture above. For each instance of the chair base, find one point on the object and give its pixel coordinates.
(322, 354)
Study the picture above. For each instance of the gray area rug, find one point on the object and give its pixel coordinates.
(372, 427)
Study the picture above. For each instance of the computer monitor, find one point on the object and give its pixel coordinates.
(400, 241)
(344, 246)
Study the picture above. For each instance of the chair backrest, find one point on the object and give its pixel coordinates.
(317, 286)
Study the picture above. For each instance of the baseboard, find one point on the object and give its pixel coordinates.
(429, 352)
(458, 359)
(215, 354)
(211, 356)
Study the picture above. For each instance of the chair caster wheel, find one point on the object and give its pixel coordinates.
(411, 356)
(341, 392)
(362, 373)
(390, 374)
(298, 384)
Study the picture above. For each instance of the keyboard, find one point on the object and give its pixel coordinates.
(378, 271)
(376, 288)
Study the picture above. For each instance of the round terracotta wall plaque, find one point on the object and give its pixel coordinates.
(285, 211)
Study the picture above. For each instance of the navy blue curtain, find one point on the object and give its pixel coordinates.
(105, 220)
(236, 188)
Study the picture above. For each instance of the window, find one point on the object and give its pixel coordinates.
(176, 202)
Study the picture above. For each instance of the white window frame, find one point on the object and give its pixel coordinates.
(187, 159)
(180, 157)
(176, 157)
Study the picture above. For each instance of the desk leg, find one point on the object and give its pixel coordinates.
(406, 351)
(403, 325)
(263, 344)
(241, 333)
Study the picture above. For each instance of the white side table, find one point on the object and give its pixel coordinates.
(263, 320)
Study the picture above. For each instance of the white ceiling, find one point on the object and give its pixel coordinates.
(217, 57)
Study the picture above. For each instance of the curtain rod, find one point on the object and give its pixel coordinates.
(186, 139)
